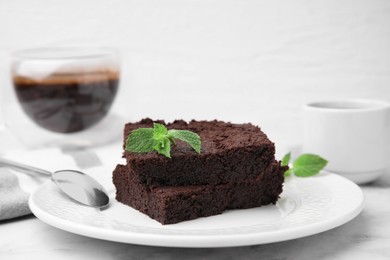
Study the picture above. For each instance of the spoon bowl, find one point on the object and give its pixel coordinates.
(81, 187)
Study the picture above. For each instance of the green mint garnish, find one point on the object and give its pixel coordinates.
(187, 136)
(305, 165)
(286, 159)
(159, 138)
(144, 134)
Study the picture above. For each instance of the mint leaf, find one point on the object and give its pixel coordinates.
(189, 137)
(140, 140)
(305, 165)
(158, 138)
(286, 159)
(308, 165)
(163, 147)
(159, 131)
(288, 172)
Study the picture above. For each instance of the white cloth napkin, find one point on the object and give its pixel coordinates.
(13, 200)
(15, 187)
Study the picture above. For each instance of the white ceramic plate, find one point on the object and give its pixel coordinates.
(307, 206)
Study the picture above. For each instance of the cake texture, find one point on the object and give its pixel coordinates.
(236, 169)
(173, 204)
(230, 153)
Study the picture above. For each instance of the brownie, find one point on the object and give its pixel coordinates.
(230, 153)
(170, 205)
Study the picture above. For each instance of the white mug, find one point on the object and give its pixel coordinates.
(353, 135)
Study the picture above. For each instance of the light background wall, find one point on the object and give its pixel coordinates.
(239, 60)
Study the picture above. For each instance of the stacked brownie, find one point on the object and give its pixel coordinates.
(236, 169)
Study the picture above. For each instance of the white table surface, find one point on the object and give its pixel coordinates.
(365, 237)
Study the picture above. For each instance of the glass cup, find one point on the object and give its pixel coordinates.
(62, 96)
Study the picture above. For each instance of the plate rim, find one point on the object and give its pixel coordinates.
(199, 241)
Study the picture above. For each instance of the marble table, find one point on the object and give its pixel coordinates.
(365, 237)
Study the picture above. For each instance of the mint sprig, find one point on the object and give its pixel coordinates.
(159, 138)
(305, 165)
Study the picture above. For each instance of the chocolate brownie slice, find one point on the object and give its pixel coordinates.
(230, 153)
(170, 205)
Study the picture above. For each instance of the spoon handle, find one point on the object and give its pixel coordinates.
(22, 167)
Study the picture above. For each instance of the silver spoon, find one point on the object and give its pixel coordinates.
(77, 185)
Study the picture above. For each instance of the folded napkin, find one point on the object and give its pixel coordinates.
(15, 187)
(13, 200)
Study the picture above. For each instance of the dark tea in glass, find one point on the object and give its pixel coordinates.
(66, 90)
